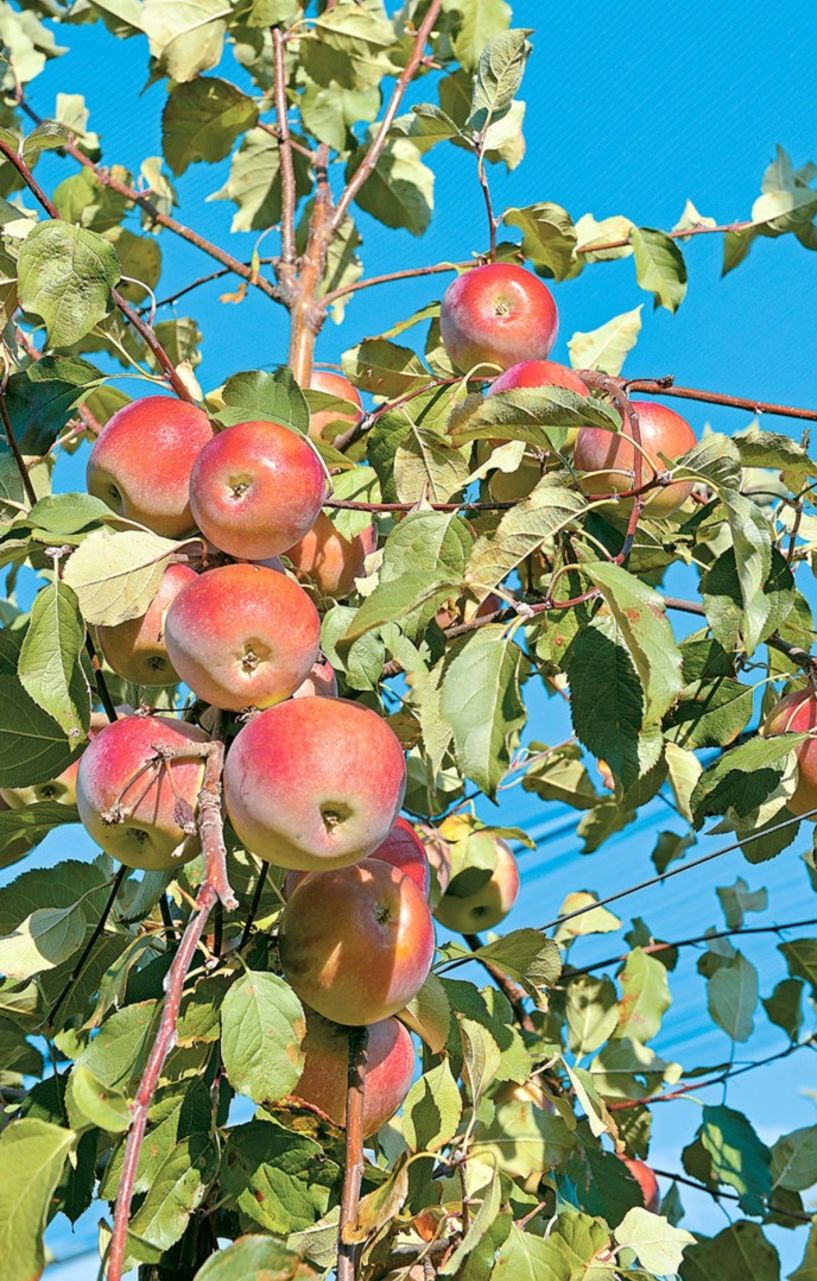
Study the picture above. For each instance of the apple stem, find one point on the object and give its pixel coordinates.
(479, 147)
(353, 1174)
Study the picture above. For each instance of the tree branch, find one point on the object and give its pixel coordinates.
(486, 195)
(388, 277)
(284, 153)
(215, 888)
(353, 1173)
(721, 1195)
(666, 387)
(624, 242)
(367, 165)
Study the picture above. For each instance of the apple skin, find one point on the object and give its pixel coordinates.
(612, 457)
(256, 489)
(539, 373)
(333, 385)
(356, 943)
(489, 905)
(141, 462)
(314, 783)
(796, 713)
(321, 681)
(646, 1180)
(151, 838)
(402, 848)
(389, 1070)
(242, 636)
(330, 561)
(499, 314)
(136, 649)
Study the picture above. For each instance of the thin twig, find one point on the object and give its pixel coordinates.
(254, 905)
(486, 195)
(284, 152)
(89, 947)
(367, 165)
(408, 273)
(99, 679)
(353, 1172)
(666, 387)
(28, 486)
(720, 1194)
(597, 247)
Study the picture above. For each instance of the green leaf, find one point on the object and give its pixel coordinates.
(548, 237)
(254, 182)
(738, 1252)
(659, 1246)
(384, 368)
(185, 36)
(591, 1013)
(49, 659)
(40, 399)
(743, 777)
(723, 599)
(499, 75)
(66, 275)
(737, 899)
(731, 997)
(117, 1053)
(399, 192)
(598, 664)
(255, 395)
(429, 1014)
(606, 348)
(33, 822)
(592, 920)
(785, 1006)
(278, 1178)
(480, 21)
(176, 1190)
(659, 266)
(91, 1104)
(752, 539)
(772, 449)
(800, 956)
(526, 955)
(479, 1227)
(710, 713)
(398, 598)
(32, 1156)
(202, 120)
(538, 415)
(250, 1258)
(116, 575)
(425, 126)
(42, 941)
(330, 111)
(432, 1110)
(262, 1026)
(545, 511)
(645, 996)
(737, 1155)
(794, 1160)
(481, 702)
(480, 1058)
(639, 614)
(33, 747)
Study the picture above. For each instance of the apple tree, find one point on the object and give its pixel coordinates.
(288, 637)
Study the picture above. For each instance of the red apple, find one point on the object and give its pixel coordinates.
(314, 783)
(797, 714)
(389, 1070)
(539, 373)
(330, 561)
(256, 489)
(333, 385)
(136, 649)
(499, 314)
(154, 805)
(605, 460)
(141, 462)
(356, 943)
(321, 681)
(402, 848)
(646, 1180)
(242, 636)
(468, 912)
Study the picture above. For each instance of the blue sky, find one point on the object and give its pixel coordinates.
(632, 111)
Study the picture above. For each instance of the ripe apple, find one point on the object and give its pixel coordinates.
(152, 802)
(467, 912)
(356, 943)
(136, 649)
(242, 636)
(402, 848)
(329, 560)
(389, 1069)
(333, 385)
(321, 680)
(646, 1180)
(797, 714)
(314, 783)
(141, 462)
(499, 314)
(605, 460)
(256, 489)
(19, 847)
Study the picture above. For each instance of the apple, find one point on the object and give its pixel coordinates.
(402, 848)
(141, 462)
(256, 489)
(19, 847)
(330, 561)
(646, 1180)
(136, 649)
(389, 1070)
(242, 636)
(340, 387)
(499, 314)
(314, 783)
(356, 943)
(797, 714)
(321, 681)
(539, 373)
(605, 460)
(480, 909)
(152, 832)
